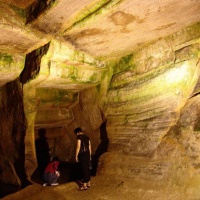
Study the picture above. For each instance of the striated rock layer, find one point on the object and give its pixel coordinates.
(152, 117)
(126, 72)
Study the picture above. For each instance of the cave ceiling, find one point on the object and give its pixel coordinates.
(103, 29)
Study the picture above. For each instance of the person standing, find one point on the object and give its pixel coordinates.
(83, 156)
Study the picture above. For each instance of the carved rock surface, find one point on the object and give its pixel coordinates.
(126, 72)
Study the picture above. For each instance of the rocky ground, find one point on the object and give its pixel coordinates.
(104, 188)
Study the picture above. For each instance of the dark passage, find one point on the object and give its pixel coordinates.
(102, 148)
(6, 189)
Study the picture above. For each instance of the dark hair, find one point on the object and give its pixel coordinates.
(55, 159)
(42, 132)
(77, 130)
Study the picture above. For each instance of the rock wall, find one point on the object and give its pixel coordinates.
(152, 112)
(12, 133)
(181, 146)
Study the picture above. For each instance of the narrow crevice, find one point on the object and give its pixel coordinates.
(102, 148)
(32, 64)
(37, 8)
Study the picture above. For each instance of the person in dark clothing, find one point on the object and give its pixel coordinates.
(83, 156)
(51, 173)
(42, 151)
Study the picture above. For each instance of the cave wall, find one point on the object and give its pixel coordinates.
(181, 146)
(145, 99)
(12, 130)
(150, 99)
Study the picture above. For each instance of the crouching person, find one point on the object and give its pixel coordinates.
(51, 173)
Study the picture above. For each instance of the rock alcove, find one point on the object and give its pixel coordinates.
(127, 72)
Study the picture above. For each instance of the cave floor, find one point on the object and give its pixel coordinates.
(105, 188)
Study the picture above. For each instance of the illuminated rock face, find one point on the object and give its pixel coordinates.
(152, 122)
(148, 105)
(138, 96)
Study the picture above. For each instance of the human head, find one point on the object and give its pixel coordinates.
(77, 130)
(55, 159)
(42, 132)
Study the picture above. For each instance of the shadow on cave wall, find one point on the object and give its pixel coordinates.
(102, 148)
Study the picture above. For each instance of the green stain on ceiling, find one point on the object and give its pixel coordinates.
(5, 58)
(72, 74)
(98, 88)
(19, 11)
(90, 13)
(93, 78)
(84, 58)
(55, 95)
(73, 77)
(123, 64)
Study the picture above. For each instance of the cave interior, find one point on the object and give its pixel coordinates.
(126, 72)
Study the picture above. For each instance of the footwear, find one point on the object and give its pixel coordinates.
(82, 188)
(54, 184)
(44, 184)
(88, 184)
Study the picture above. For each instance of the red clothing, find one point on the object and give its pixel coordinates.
(52, 167)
